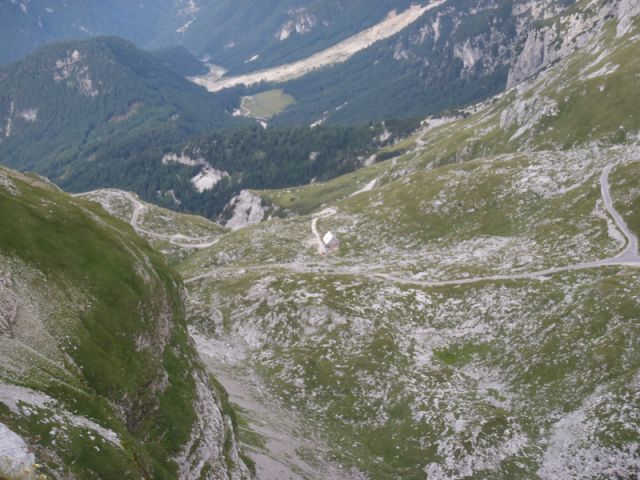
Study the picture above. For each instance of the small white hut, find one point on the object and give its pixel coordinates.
(330, 241)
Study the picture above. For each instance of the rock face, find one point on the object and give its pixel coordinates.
(566, 33)
(213, 443)
(627, 10)
(246, 209)
(301, 24)
(8, 306)
(16, 460)
(527, 113)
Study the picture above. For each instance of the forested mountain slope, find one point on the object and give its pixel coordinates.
(205, 173)
(456, 53)
(235, 34)
(101, 113)
(70, 108)
(246, 35)
(98, 377)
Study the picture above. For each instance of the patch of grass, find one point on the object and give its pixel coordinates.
(624, 190)
(267, 104)
(462, 354)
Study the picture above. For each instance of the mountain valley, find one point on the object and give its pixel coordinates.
(419, 262)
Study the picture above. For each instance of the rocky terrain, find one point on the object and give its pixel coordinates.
(477, 317)
(463, 306)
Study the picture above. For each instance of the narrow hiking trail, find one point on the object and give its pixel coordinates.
(139, 209)
(629, 257)
(326, 213)
(177, 239)
(630, 253)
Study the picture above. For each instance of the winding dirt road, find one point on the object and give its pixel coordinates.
(178, 239)
(629, 257)
(326, 213)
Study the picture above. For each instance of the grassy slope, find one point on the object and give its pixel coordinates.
(115, 330)
(402, 377)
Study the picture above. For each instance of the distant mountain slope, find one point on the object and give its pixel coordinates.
(238, 34)
(181, 60)
(73, 110)
(246, 35)
(26, 25)
(98, 378)
(454, 55)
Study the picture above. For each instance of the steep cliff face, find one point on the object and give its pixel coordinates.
(98, 377)
(556, 34)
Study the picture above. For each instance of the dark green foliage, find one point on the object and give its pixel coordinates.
(275, 158)
(110, 101)
(181, 61)
(128, 154)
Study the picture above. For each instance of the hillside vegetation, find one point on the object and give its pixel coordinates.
(272, 157)
(452, 299)
(98, 378)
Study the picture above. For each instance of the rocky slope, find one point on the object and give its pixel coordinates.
(478, 318)
(475, 317)
(98, 377)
